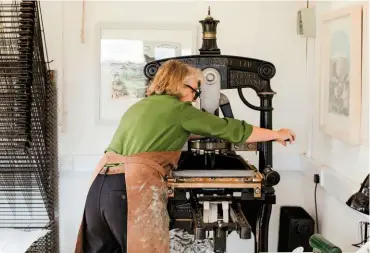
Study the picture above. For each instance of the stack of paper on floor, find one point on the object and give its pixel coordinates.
(183, 242)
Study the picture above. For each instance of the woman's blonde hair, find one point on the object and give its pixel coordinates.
(171, 78)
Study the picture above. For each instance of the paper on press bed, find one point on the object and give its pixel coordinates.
(17, 240)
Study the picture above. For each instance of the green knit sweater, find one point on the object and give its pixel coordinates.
(163, 123)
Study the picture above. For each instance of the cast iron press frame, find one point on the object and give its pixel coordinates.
(236, 73)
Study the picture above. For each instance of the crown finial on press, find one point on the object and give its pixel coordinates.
(209, 27)
(209, 17)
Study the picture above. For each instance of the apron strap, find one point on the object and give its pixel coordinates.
(147, 162)
(112, 158)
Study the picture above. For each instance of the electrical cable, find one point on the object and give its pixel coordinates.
(363, 235)
(82, 31)
(317, 220)
(358, 245)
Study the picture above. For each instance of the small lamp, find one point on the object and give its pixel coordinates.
(360, 200)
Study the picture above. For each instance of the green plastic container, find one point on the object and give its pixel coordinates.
(321, 245)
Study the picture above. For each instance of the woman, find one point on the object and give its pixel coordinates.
(126, 205)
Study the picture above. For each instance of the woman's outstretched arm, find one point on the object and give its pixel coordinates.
(261, 134)
(205, 124)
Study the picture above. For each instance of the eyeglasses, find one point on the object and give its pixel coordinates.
(196, 91)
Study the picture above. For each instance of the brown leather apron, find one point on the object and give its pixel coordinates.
(147, 216)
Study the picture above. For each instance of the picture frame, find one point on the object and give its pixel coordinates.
(366, 76)
(123, 49)
(341, 74)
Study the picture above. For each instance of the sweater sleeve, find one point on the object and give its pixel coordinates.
(206, 124)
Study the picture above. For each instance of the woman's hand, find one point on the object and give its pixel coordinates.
(195, 137)
(262, 134)
(284, 135)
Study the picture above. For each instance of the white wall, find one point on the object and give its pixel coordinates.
(265, 30)
(343, 167)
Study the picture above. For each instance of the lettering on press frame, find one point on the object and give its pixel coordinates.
(234, 62)
(245, 64)
(246, 79)
(203, 61)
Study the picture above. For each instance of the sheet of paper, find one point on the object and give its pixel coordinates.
(17, 240)
(183, 242)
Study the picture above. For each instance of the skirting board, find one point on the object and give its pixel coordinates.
(332, 182)
(78, 163)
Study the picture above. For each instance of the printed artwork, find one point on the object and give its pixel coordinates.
(123, 51)
(339, 73)
(126, 60)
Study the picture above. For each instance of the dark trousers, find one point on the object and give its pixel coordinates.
(106, 215)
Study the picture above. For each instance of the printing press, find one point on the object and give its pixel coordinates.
(214, 191)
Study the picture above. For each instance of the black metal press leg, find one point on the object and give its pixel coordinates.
(264, 228)
(257, 233)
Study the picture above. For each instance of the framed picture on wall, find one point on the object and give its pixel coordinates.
(124, 49)
(366, 74)
(341, 74)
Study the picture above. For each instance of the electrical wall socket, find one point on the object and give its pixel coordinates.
(306, 22)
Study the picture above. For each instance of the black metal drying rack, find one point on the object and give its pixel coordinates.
(28, 126)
